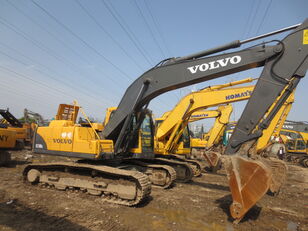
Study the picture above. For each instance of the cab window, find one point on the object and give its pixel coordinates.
(291, 145)
(300, 145)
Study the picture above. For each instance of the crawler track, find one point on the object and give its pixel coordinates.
(162, 176)
(184, 172)
(114, 185)
(195, 165)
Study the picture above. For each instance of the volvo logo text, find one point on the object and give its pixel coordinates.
(215, 64)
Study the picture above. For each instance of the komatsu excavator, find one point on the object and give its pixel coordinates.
(213, 138)
(172, 125)
(295, 137)
(194, 146)
(187, 144)
(172, 137)
(221, 114)
(285, 63)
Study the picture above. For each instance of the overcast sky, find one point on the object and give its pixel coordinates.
(53, 52)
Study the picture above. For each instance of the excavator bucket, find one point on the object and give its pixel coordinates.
(213, 159)
(249, 180)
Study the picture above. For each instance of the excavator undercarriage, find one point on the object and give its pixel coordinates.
(113, 185)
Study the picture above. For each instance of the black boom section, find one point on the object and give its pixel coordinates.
(277, 74)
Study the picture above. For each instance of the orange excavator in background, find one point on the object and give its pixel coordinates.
(285, 63)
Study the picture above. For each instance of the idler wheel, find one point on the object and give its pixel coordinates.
(33, 176)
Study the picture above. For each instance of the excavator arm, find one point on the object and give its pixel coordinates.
(28, 115)
(213, 136)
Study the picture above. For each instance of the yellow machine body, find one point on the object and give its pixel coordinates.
(7, 138)
(21, 133)
(65, 137)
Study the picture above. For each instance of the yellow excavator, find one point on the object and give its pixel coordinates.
(172, 125)
(214, 135)
(7, 142)
(178, 136)
(295, 137)
(221, 114)
(172, 137)
(297, 151)
(285, 63)
(187, 143)
(84, 141)
(13, 135)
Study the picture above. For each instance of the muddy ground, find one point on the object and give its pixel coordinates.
(200, 205)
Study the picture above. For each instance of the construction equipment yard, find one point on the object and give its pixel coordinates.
(202, 204)
(157, 68)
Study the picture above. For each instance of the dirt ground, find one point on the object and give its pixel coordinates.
(200, 205)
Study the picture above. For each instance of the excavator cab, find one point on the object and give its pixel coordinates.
(143, 143)
(297, 146)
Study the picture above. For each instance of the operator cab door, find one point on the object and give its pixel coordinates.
(186, 137)
(147, 134)
(296, 146)
(300, 146)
